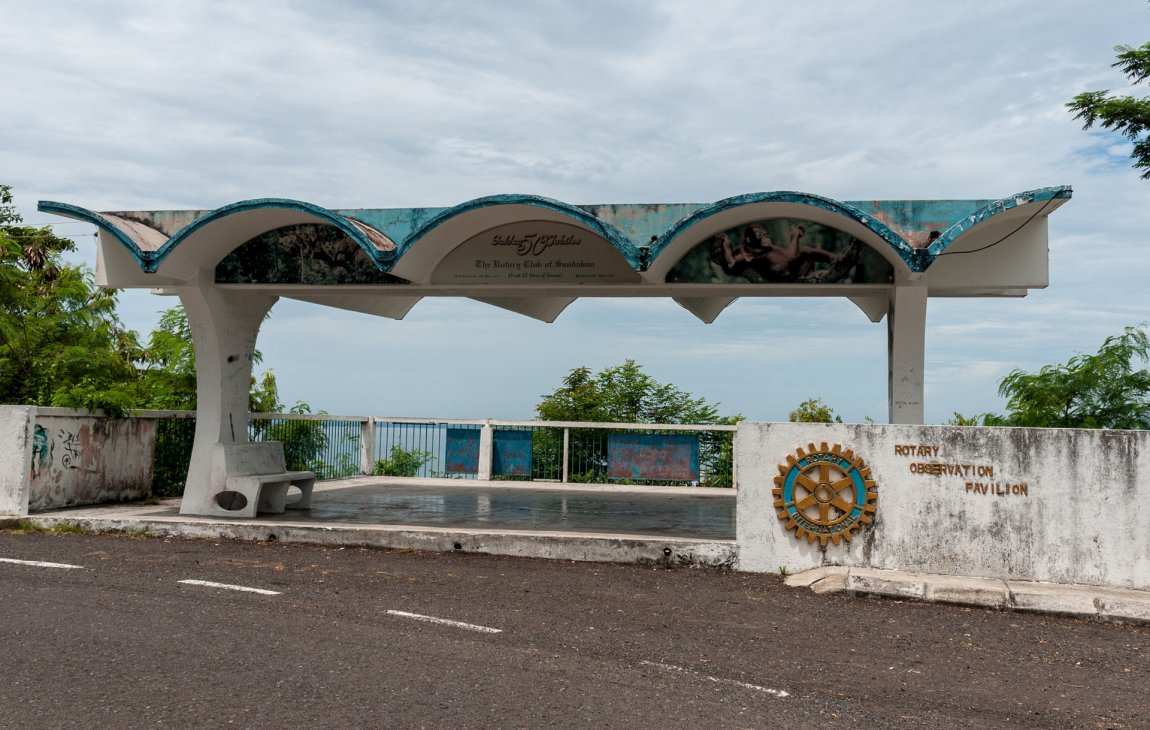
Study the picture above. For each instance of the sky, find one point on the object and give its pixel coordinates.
(348, 104)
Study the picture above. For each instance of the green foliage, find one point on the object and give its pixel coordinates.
(173, 455)
(1127, 115)
(61, 342)
(304, 441)
(813, 410)
(960, 420)
(167, 370)
(1103, 390)
(402, 462)
(168, 366)
(981, 419)
(624, 394)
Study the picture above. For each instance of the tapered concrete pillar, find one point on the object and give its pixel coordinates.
(906, 353)
(224, 326)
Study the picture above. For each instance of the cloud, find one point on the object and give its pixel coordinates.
(145, 105)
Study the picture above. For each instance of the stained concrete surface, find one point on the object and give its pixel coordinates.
(657, 512)
(517, 508)
(598, 523)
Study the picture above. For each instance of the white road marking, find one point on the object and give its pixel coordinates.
(38, 563)
(446, 622)
(210, 584)
(683, 670)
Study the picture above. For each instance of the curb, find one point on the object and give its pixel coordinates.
(612, 548)
(1100, 603)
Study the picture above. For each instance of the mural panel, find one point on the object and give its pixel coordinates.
(511, 453)
(462, 451)
(653, 456)
(782, 251)
(301, 254)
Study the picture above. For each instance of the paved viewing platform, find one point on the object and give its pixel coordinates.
(700, 513)
(608, 523)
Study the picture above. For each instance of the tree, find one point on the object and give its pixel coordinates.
(1126, 115)
(168, 364)
(1103, 390)
(168, 370)
(61, 342)
(624, 394)
(813, 410)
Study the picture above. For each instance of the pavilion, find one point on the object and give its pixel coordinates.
(534, 256)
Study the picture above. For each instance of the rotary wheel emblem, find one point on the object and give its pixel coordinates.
(824, 493)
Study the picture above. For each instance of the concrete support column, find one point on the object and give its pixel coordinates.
(224, 326)
(906, 353)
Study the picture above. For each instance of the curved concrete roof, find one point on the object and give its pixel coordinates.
(417, 245)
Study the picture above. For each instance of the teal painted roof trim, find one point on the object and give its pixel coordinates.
(613, 235)
(150, 261)
(418, 222)
(74, 211)
(382, 259)
(1040, 195)
(907, 252)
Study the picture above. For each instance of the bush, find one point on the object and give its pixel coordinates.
(402, 462)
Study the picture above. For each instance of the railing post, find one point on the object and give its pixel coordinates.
(486, 451)
(367, 456)
(734, 460)
(566, 452)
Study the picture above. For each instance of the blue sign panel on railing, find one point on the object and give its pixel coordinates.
(653, 456)
(462, 451)
(511, 453)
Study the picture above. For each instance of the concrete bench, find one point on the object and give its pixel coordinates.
(257, 480)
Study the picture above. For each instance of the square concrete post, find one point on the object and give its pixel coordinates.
(486, 451)
(367, 450)
(17, 443)
(906, 353)
(224, 326)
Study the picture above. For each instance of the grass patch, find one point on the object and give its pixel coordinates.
(18, 526)
(68, 528)
(23, 526)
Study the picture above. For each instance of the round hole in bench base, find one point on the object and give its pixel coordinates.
(294, 495)
(231, 501)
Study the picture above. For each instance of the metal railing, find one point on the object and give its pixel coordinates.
(547, 451)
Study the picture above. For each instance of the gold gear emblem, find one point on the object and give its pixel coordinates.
(824, 493)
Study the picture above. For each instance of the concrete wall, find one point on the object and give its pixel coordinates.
(51, 458)
(15, 458)
(1069, 506)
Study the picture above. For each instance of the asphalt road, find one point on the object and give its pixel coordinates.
(122, 642)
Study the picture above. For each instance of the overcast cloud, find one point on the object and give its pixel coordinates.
(153, 105)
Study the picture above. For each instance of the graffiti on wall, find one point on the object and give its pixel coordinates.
(87, 460)
(782, 251)
(41, 451)
(62, 451)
